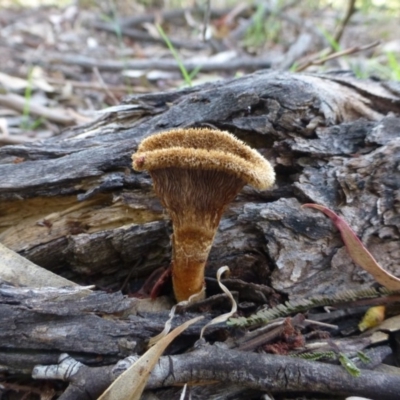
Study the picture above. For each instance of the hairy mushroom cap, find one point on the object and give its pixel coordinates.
(196, 174)
(207, 149)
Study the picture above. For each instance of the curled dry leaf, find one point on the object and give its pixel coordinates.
(130, 385)
(193, 299)
(223, 317)
(358, 252)
(167, 327)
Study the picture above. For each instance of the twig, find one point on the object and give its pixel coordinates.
(168, 15)
(341, 53)
(328, 54)
(321, 324)
(351, 8)
(139, 35)
(94, 86)
(261, 336)
(104, 85)
(16, 102)
(386, 300)
(250, 370)
(14, 139)
(351, 50)
(247, 63)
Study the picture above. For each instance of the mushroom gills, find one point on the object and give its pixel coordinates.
(195, 200)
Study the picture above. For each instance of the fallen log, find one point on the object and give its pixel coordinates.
(74, 205)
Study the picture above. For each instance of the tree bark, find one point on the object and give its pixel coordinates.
(39, 324)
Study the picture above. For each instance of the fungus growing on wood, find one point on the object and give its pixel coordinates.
(196, 174)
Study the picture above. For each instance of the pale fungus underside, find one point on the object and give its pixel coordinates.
(196, 174)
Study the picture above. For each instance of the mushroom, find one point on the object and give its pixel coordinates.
(196, 174)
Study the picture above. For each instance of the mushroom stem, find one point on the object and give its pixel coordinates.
(195, 206)
(191, 247)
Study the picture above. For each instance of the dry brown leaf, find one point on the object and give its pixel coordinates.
(389, 325)
(18, 270)
(223, 317)
(167, 327)
(130, 385)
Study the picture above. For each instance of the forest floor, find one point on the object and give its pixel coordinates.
(63, 66)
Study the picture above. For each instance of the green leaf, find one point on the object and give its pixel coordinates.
(363, 357)
(348, 365)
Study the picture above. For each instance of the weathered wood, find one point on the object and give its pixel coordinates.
(73, 204)
(39, 324)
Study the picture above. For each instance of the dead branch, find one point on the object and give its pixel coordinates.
(16, 102)
(212, 364)
(247, 63)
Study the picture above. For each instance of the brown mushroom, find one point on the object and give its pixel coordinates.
(196, 174)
